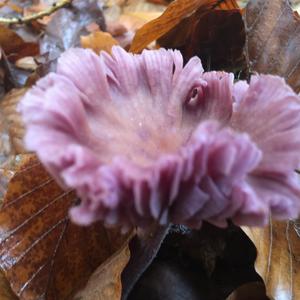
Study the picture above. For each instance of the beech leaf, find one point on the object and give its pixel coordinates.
(278, 253)
(174, 13)
(13, 121)
(272, 39)
(215, 34)
(14, 46)
(44, 255)
(98, 41)
(105, 283)
(5, 290)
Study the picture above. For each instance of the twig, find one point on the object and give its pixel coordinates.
(53, 8)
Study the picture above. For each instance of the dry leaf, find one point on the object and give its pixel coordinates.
(27, 63)
(68, 24)
(105, 283)
(273, 39)
(43, 255)
(153, 30)
(14, 46)
(278, 258)
(216, 35)
(13, 120)
(98, 41)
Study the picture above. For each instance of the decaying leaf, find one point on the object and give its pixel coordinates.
(14, 123)
(278, 258)
(27, 63)
(98, 41)
(249, 291)
(14, 46)
(215, 34)
(153, 30)
(105, 283)
(42, 254)
(5, 290)
(273, 39)
(68, 24)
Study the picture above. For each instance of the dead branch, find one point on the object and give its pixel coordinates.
(47, 12)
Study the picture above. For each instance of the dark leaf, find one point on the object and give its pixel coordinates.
(68, 24)
(215, 35)
(273, 39)
(43, 255)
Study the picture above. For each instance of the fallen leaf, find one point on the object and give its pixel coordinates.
(162, 2)
(5, 290)
(68, 24)
(105, 283)
(14, 46)
(195, 264)
(215, 35)
(14, 123)
(249, 291)
(174, 13)
(42, 254)
(27, 63)
(272, 39)
(98, 41)
(144, 248)
(278, 258)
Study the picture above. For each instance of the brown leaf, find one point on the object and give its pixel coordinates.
(278, 258)
(153, 30)
(105, 283)
(68, 24)
(5, 290)
(272, 39)
(42, 254)
(98, 41)
(13, 121)
(249, 291)
(216, 35)
(14, 46)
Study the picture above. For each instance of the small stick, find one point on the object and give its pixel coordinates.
(47, 12)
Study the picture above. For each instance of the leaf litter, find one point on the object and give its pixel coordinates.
(42, 253)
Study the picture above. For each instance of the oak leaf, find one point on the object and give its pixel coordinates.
(42, 254)
(273, 39)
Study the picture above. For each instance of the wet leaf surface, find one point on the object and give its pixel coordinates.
(273, 39)
(5, 290)
(43, 255)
